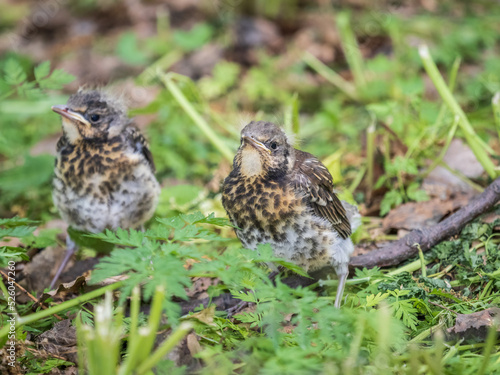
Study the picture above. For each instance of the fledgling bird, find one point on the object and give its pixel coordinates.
(104, 171)
(285, 197)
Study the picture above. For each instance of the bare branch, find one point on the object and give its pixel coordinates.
(396, 252)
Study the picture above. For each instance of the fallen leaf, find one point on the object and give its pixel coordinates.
(60, 341)
(205, 316)
(62, 290)
(193, 344)
(442, 183)
(416, 215)
(474, 326)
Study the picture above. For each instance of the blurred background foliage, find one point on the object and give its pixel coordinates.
(247, 60)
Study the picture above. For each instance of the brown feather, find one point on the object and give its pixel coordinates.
(313, 179)
(140, 144)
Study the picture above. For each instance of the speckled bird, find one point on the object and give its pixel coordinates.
(285, 197)
(104, 171)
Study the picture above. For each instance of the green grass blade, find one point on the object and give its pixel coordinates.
(478, 146)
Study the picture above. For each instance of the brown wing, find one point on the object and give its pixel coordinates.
(313, 179)
(140, 145)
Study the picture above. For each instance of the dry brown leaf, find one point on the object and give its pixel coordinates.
(474, 326)
(416, 215)
(60, 341)
(205, 316)
(193, 344)
(63, 290)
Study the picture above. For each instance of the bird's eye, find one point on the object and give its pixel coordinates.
(94, 118)
(274, 145)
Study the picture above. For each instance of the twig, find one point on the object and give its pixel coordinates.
(398, 251)
(31, 296)
(443, 307)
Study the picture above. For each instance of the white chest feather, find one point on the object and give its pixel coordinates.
(251, 163)
(70, 130)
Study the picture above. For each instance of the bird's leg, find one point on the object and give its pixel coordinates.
(70, 250)
(340, 289)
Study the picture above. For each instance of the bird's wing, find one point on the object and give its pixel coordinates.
(140, 145)
(313, 179)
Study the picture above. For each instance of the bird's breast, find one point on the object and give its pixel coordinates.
(259, 202)
(103, 188)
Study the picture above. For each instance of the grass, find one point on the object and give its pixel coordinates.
(380, 132)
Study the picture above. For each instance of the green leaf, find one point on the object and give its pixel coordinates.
(17, 221)
(403, 309)
(120, 237)
(42, 70)
(374, 300)
(401, 164)
(19, 231)
(46, 237)
(56, 80)
(224, 76)
(195, 38)
(29, 176)
(14, 72)
(391, 199)
(128, 50)
(414, 193)
(244, 296)
(11, 253)
(441, 293)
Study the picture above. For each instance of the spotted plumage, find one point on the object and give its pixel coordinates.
(104, 171)
(285, 197)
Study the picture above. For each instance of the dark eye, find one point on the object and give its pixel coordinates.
(274, 145)
(94, 118)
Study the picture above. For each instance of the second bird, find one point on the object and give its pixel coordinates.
(278, 195)
(104, 173)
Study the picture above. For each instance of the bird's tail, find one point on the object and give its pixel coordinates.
(353, 215)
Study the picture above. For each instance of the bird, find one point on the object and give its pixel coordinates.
(285, 197)
(104, 175)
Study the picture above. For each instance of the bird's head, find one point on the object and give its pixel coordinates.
(92, 115)
(265, 151)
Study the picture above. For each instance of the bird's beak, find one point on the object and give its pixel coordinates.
(255, 143)
(69, 114)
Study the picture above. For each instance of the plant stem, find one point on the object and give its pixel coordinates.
(195, 116)
(443, 272)
(346, 87)
(478, 146)
(160, 65)
(61, 307)
(357, 180)
(165, 347)
(422, 261)
(462, 177)
(370, 157)
(410, 267)
(351, 49)
(352, 358)
(438, 160)
(154, 320)
(495, 102)
(476, 279)
(431, 131)
(424, 334)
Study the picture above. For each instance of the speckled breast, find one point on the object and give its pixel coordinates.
(101, 186)
(270, 212)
